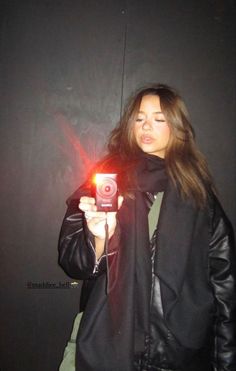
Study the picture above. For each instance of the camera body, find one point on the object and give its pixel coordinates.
(106, 192)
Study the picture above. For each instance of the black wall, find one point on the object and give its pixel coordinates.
(67, 67)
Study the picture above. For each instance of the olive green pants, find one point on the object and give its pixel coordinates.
(68, 361)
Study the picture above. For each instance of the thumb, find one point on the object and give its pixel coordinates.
(120, 201)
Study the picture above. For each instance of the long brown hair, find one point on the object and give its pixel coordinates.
(185, 164)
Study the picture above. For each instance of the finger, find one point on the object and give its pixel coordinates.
(87, 207)
(87, 203)
(87, 200)
(97, 220)
(120, 201)
(95, 214)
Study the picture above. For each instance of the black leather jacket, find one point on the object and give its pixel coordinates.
(161, 345)
(163, 350)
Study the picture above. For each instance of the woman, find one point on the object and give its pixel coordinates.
(163, 296)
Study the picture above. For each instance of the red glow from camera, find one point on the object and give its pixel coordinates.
(76, 144)
(81, 148)
(98, 179)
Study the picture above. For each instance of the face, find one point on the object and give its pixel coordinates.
(151, 130)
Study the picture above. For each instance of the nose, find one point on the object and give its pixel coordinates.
(147, 125)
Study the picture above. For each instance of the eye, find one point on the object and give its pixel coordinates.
(139, 119)
(159, 120)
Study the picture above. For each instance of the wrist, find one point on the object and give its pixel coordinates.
(99, 238)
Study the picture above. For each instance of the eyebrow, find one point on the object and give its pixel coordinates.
(153, 112)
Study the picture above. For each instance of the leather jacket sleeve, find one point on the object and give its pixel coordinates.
(77, 254)
(76, 244)
(222, 264)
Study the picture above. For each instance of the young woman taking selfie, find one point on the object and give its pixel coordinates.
(159, 293)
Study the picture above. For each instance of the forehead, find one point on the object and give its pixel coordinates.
(150, 102)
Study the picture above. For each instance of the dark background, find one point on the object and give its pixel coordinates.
(67, 67)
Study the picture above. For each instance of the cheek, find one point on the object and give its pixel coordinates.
(135, 131)
(163, 133)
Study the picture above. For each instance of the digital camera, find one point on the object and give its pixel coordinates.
(106, 192)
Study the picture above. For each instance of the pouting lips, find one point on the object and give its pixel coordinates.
(146, 139)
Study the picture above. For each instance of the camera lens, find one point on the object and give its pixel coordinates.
(107, 188)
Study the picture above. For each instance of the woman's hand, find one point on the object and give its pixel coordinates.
(96, 220)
